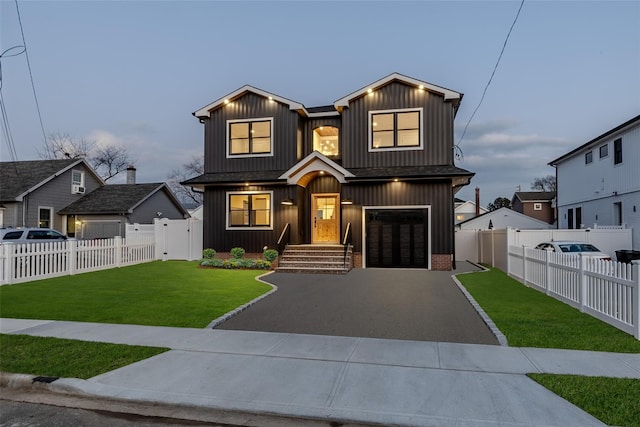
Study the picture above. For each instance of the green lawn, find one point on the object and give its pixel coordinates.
(530, 318)
(614, 401)
(171, 293)
(54, 357)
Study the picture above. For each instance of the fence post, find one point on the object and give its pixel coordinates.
(583, 282)
(118, 244)
(524, 265)
(72, 254)
(9, 251)
(493, 254)
(547, 281)
(635, 274)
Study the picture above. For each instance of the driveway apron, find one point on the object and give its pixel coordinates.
(403, 304)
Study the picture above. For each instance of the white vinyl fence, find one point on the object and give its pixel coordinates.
(176, 239)
(607, 290)
(33, 261)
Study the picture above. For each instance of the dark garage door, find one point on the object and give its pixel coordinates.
(397, 238)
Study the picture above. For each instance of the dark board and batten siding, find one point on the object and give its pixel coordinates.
(250, 106)
(437, 130)
(217, 236)
(438, 195)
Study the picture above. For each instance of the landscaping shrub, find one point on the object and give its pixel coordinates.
(237, 253)
(270, 254)
(208, 253)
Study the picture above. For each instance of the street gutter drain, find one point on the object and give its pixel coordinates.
(47, 380)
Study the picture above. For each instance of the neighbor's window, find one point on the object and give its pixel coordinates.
(395, 130)
(249, 210)
(325, 140)
(588, 157)
(44, 217)
(617, 151)
(537, 206)
(249, 137)
(604, 151)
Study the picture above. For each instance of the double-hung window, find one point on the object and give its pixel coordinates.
(395, 129)
(249, 210)
(247, 138)
(77, 182)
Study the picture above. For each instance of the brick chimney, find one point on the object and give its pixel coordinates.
(477, 201)
(131, 174)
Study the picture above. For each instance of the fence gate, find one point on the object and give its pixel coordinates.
(178, 239)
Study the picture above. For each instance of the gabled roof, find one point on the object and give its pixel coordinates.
(314, 164)
(534, 196)
(503, 218)
(468, 207)
(447, 93)
(20, 178)
(117, 199)
(206, 110)
(634, 121)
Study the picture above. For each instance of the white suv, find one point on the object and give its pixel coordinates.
(30, 235)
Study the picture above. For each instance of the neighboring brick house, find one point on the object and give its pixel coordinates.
(599, 181)
(536, 204)
(378, 162)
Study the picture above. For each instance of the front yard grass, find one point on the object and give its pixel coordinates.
(55, 357)
(613, 401)
(170, 293)
(530, 318)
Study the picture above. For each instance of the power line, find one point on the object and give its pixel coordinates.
(33, 86)
(504, 45)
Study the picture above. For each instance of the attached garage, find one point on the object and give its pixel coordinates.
(397, 237)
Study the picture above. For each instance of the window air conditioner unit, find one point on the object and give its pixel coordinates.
(78, 189)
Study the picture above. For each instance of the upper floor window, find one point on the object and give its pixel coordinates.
(325, 141)
(604, 150)
(537, 206)
(247, 210)
(617, 151)
(77, 182)
(395, 129)
(249, 137)
(588, 157)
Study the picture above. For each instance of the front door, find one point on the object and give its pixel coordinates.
(325, 218)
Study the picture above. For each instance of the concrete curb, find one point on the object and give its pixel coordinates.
(216, 322)
(502, 339)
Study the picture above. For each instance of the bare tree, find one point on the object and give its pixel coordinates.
(545, 183)
(106, 159)
(64, 146)
(110, 160)
(191, 169)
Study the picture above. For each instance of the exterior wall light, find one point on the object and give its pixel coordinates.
(287, 202)
(346, 202)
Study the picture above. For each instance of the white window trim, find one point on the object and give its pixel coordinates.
(420, 146)
(51, 218)
(257, 228)
(228, 138)
(537, 206)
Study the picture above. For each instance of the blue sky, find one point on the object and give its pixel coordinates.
(132, 72)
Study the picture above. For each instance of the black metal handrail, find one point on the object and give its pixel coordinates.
(346, 242)
(285, 236)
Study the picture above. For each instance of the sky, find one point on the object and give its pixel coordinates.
(131, 73)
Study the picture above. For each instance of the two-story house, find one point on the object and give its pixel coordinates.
(536, 204)
(376, 167)
(599, 182)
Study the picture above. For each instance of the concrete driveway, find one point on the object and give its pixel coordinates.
(415, 305)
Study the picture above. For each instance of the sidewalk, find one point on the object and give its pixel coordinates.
(337, 379)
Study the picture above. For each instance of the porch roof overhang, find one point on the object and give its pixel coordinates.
(315, 164)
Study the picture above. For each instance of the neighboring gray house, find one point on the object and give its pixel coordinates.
(503, 218)
(33, 191)
(105, 211)
(599, 181)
